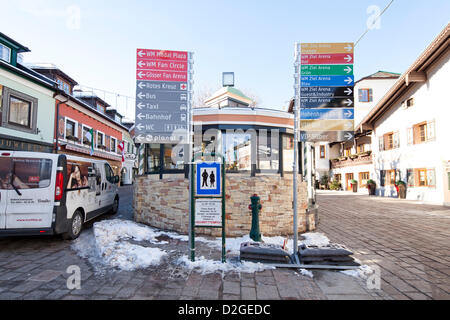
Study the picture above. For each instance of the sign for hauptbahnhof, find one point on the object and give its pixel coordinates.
(162, 95)
(326, 93)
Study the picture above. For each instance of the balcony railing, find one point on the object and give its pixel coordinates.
(352, 160)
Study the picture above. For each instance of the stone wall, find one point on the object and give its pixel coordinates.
(164, 204)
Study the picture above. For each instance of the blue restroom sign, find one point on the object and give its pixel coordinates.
(208, 179)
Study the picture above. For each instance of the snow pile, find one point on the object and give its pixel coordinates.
(306, 273)
(205, 266)
(315, 239)
(109, 245)
(362, 272)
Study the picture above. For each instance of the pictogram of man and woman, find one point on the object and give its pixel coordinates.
(212, 179)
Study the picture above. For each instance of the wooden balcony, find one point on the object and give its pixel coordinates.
(352, 160)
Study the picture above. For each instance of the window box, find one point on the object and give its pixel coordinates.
(72, 138)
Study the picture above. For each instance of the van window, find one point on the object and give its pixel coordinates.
(109, 173)
(25, 173)
(80, 175)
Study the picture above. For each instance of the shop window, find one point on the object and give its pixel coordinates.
(169, 164)
(153, 157)
(25, 173)
(288, 152)
(268, 152)
(338, 177)
(237, 151)
(390, 177)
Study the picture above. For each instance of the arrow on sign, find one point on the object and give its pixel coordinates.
(140, 105)
(348, 114)
(348, 69)
(140, 116)
(349, 47)
(141, 53)
(348, 136)
(141, 85)
(140, 74)
(141, 63)
(348, 125)
(139, 126)
(141, 95)
(140, 137)
(348, 91)
(348, 102)
(348, 58)
(348, 80)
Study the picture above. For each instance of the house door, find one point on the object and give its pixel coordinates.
(348, 181)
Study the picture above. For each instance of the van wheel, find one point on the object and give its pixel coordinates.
(115, 207)
(75, 227)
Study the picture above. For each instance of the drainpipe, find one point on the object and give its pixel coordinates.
(57, 121)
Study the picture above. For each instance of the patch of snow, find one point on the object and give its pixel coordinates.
(205, 266)
(362, 272)
(305, 272)
(107, 245)
(315, 239)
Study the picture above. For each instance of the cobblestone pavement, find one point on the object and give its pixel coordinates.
(410, 242)
(35, 268)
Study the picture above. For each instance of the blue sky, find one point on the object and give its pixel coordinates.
(255, 39)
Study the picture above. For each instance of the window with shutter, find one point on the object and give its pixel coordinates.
(370, 95)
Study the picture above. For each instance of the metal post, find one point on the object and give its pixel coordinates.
(295, 165)
(190, 159)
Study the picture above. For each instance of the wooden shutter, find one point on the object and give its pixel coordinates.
(382, 177)
(431, 178)
(396, 140)
(381, 143)
(410, 177)
(430, 130)
(360, 95)
(410, 134)
(370, 95)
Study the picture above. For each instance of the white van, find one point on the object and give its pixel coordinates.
(45, 193)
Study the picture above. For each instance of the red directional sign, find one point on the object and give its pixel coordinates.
(151, 75)
(162, 54)
(330, 58)
(166, 65)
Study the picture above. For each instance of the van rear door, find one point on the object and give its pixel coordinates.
(5, 171)
(31, 195)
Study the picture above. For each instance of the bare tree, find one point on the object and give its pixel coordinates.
(201, 95)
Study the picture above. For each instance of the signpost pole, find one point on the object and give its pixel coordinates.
(295, 165)
(190, 160)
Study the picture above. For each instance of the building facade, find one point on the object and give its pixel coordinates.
(27, 103)
(410, 138)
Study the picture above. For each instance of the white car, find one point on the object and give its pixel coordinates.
(45, 193)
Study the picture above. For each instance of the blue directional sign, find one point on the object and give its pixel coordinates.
(208, 179)
(331, 81)
(326, 114)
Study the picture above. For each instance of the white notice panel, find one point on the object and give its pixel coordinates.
(208, 212)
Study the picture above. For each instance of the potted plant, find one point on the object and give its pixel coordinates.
(354, 184)
(401, 189)
(324, 181)
(372, 187)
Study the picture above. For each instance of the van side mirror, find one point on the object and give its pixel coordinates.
(116, 179)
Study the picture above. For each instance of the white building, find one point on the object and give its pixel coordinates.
(409, 128)
(347, 161)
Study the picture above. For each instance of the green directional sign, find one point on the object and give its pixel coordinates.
(327, 69)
